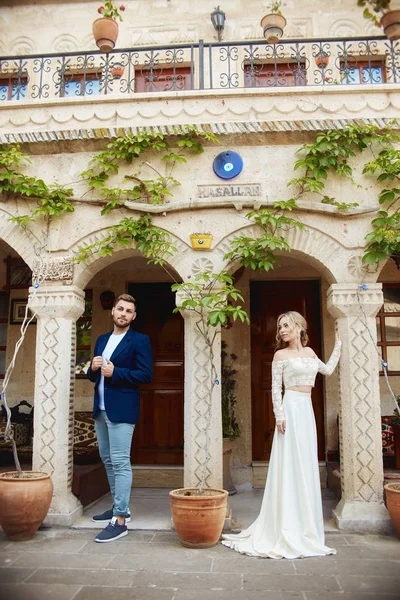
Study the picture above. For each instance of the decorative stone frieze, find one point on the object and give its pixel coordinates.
(53, 269)
(57, 309)
(202, 420)
(361, 507)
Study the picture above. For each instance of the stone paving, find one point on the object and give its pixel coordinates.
(67, 564)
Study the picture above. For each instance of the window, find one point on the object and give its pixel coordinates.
(84, 337)
(275, 75)
(160, 79)
(4, 298)
(13, 88)
(88, 84)
(362, 73)
(388, 328)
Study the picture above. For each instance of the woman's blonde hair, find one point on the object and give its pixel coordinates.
(296, 320)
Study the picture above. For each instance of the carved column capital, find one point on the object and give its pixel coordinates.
(349, 299)
(57, 301)
(54, 268)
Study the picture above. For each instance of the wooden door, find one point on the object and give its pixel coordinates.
(268, 300)
(158, 437)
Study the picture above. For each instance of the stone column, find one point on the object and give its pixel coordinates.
(202, 442)
(57, 308)
(361, 507)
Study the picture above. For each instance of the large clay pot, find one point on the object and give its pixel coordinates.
(105, 33)
(24, 503)
(392, 491)
(273, 26)
(391, 24)
(198, 518)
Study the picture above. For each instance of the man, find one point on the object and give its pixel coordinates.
(122, 360)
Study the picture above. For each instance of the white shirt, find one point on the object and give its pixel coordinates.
(112, 343)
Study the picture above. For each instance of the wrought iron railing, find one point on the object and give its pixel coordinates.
(201, 66)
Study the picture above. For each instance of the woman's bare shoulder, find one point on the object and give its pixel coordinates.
(309, 352)
(280, 355)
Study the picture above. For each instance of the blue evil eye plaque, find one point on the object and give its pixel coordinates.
(228, 164)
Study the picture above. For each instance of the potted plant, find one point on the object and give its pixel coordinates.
(199, 513)
(105, 29)
(25, 496)
(273, 23)
(230, 427)
(380, 13)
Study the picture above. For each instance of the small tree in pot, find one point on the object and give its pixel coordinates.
(25, 496)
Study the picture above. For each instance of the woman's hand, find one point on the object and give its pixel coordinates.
(281, 426)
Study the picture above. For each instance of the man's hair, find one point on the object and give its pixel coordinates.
(125, 298)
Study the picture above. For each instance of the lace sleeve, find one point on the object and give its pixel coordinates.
(277, 404)
(330, 366)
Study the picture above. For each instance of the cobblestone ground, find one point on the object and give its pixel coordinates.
(66, 564)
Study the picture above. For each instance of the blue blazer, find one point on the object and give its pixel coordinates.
(133, 365)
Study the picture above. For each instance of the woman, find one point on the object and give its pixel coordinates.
(290, 523)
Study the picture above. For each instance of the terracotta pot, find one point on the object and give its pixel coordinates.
(321, 59)
(392, 491)
(273, 26)
(391, 24)
(117, 71)
(227, 445)
(24, 503)
(198, 518)
(105, 33)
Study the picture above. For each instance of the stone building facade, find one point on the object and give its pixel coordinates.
(65, 115)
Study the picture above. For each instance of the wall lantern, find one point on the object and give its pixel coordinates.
(107, 299)
(218, 21)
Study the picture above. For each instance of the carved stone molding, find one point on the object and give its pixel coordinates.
(356, 267)
(53, 269)
(310, 242)
(202, 264)
(349, 299)
(57, 301)
(49, 358)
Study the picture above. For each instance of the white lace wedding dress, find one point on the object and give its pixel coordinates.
(290, 523)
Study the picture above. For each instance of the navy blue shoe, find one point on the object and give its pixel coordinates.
(107, 515)
(112, 532)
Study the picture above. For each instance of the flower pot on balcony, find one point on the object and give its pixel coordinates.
(201, 241)
(321, 59)
(273, 25)
(117, 71)
(391, 24)
(105, 33)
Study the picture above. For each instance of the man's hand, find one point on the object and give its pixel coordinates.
(281, 426)
(108, 369)
(96, 363)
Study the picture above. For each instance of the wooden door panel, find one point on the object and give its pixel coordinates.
(268, 300)
(158, 437)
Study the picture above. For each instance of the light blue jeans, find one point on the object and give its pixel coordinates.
(115, 441)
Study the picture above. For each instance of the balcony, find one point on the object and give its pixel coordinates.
(156, 82)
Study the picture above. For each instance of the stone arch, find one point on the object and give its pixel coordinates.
(83, 273)
(312, 245)
(22, 241)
